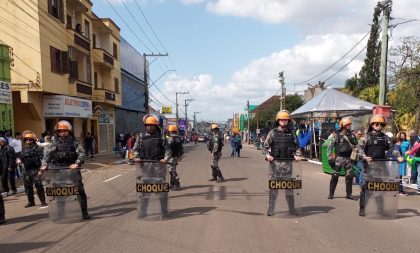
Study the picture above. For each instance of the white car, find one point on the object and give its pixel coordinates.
(201, 139)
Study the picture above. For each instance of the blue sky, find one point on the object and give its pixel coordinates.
(229, 51)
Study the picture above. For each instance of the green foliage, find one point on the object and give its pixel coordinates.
(370, 94)
(266, 118)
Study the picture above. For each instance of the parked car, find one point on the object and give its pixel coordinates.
(201, 139)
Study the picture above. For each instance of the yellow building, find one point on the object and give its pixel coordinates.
(65, 66)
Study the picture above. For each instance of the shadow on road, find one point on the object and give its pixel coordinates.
(22, 246)
(28, 218)
(311, 210)
(195, 186)
(235, 179)
(186, 212)
(407, 210)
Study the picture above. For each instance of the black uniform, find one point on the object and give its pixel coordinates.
(64, 152)
(284, 146)
(215, 146)
(175, 143)
(153, 147)
(31, 158)
(374, 145)
(7, 160)
(343, 144)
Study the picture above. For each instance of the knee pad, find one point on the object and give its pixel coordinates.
(214, 167)
(335, 175)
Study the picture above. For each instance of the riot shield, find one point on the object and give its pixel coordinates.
(285, 188)
(382, 184)
(62, 188)
(152, 190)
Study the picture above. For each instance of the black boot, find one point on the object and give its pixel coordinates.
(164, 205)
(272, 197)
(333, 184)
(349, 187)
(291, 204)
(219, 174)
(29, 204)
(362, 201)
(83, 202)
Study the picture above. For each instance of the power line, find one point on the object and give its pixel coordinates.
(346, 63)
(332, 65)
(129, 28)
(138, 25)
(151, 28)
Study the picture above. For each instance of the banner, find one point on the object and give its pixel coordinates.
(64, 106)
(182, 123)
(6, 117)
(166, 110)
(5, 93)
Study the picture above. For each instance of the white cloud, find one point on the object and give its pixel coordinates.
(259, 79)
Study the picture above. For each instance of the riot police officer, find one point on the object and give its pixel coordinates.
(66, 151)
(374, 146)
(281, 145)
(152, 146)
(343, 141)
(215, 145)
(175, 143)
(31, 158)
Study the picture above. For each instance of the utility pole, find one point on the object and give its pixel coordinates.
(249, 132)
(146, 76)
(195, 119)
(384, 50)
(282, 90)
(186, 110)
(176, 104)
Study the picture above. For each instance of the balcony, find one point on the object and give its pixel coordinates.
(80, 88)
(103, 58)
(106, 96)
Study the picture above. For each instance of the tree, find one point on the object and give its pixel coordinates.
(369, 74)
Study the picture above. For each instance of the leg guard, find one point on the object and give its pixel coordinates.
(143, 207)
(272, 197)
(40, 191)
(380, 204)
(164, 205)
(362, 201)
(349, 187)
(214, 172)
(333, 184)
(83, 201)
(291, 204)
(29, 189)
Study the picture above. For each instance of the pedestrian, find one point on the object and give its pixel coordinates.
(215, 145)
(233, 145)
(344, 143)
(374, 146)
(175, 143)
(359, 163)
(89, 142)
(414, 138)
(8, 165)
(31, 158)
(153, 152)
(66, 151)
(415, 152)
(16, 144)
(280, 146)
(238, 144)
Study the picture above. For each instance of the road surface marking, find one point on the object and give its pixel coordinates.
(112, 178)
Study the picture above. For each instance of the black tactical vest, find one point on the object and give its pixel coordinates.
(30, 158)
(282, 145)
(342, 147)
(65, 153)
(176, 146)
(151, 148)
(376, 145)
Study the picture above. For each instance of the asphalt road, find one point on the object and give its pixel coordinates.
(212, 217)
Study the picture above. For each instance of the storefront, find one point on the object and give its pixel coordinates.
(77, 111)
(105, 120)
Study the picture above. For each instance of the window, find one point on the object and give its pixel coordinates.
(116, 85)
(87, 30)
(88, 71)
(56, 9)
(94, 40)
(95, 79)
(115, 50)
(59, 61)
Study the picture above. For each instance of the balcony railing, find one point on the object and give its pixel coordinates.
(108, 59)
(83, 88)
(82, 41)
